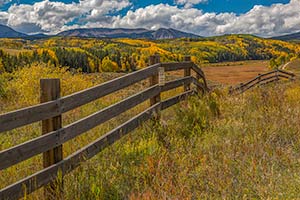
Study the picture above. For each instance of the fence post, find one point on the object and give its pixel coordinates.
(50, 90)
(277, 75)
(153, 80)
(187, 72)
(242, 87)
(259, 79)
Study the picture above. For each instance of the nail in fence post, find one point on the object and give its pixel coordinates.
(50, 90)
(187, 72)
(153, 80)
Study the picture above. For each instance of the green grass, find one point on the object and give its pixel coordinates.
(214, 147)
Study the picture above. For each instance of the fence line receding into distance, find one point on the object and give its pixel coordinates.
(50, 142)
(262, 79)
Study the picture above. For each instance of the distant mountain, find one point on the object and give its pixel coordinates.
(161, 33)
(170, 33)
(37, 36)
(7, 32)
(294, 36)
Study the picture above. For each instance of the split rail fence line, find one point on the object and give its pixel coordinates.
(262, 79)
(53, 136)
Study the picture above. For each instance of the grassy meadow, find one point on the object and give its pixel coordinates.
(213, 147)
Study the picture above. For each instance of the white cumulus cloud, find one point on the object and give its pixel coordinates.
(50, 16)
(189, 3)
(261, 20)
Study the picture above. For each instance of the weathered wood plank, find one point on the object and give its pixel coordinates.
(286, 72)
(18, 118)
(261, 82)
(268, 73)
(78, 99)
(44, 176)
(284, 76)
(176, 83)
(50, 90)
(252, 80)
(200, 86)
(53, 139)
(198, 70)
(174, 100)
(270, 81)
(267, 78)
(187, 72)
(200, 74)
(176, 66)
(153, 80)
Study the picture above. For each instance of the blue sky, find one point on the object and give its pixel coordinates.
(218, 6)
(202, 17)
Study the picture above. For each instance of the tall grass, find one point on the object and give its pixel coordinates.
(213, 147)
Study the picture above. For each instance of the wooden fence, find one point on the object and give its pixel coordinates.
(53, 136)
(262, 79)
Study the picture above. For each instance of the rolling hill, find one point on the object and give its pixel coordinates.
(161, 33)
(294, 36)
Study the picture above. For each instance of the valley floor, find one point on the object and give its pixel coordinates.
(232, 73)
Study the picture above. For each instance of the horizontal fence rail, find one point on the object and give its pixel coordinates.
(56, 138)
(262, 79)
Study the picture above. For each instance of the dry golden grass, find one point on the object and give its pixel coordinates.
(234, 72)
(214, 147)
(230, 73)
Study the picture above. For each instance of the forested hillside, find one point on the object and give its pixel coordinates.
(114, 55)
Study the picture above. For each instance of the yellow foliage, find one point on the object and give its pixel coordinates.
(24, 87)
(108, 65)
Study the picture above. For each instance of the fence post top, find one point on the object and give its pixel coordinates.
(49, 79)
(187, 58)
(154, 59)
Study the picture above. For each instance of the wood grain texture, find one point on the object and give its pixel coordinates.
(44, 176)
(176, 83)
(54, 136)
(18, 118)
(50, 90)
(174, 100)
(154, 80)
(200, 75)
(45, 142)
(187, 72)
(176, 66)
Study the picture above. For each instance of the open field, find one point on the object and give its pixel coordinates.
(215, 147)
(233, 73)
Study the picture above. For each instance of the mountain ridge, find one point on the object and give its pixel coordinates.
(287, 37)
(161, 33)
(7, 32)
(138, 33)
